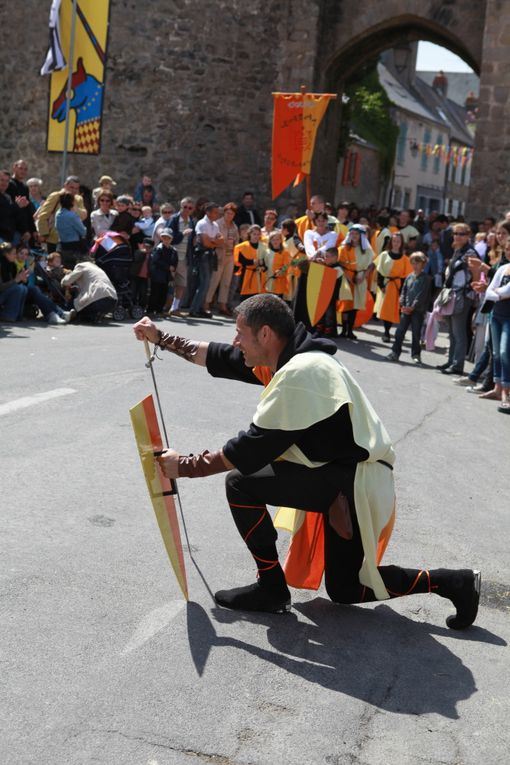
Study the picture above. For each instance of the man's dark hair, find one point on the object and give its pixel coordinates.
(211, 206)
(442, 218)
(247, 194)
(267, 310)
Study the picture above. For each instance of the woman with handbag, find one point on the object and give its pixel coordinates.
(458, 279)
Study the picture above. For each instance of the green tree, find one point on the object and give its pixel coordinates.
(368, 115)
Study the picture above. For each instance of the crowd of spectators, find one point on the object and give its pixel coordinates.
(80, 254)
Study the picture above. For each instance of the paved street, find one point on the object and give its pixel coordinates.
(103, 662)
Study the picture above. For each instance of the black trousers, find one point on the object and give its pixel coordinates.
(157, 297)
(311, 489)
(97, 309)
(415, 319)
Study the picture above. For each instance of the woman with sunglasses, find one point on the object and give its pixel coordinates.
(102, 218)
(458, 277)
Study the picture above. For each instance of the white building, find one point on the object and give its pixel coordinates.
(434, 149)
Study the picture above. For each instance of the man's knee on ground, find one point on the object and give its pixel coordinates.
(340, 592)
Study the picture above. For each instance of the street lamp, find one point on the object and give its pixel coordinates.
(401, 56)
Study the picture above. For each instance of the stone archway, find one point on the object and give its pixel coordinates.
(363, 48)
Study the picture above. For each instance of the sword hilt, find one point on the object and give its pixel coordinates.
(150, 356)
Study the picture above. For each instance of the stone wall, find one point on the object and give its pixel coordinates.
(187, 99)
(490, 185)
(188, 85)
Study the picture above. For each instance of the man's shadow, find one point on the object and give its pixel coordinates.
(376, 655)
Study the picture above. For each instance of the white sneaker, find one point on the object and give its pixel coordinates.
(463, 381)
(68, 315)
(54, 318)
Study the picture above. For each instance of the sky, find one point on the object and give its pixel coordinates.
(432, 57)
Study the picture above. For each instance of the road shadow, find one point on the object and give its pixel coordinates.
(375, 655)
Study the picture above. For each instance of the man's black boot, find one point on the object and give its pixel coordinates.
(269, 594)
(463, 589)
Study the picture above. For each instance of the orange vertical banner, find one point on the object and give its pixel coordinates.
(296, 118)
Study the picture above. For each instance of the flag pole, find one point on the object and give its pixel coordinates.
(69, 91)
(308, 179)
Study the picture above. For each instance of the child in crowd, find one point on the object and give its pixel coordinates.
(56, 272)
(276, 260)
(163, 264)
(146, 223)
(414, 301)
(140, 273)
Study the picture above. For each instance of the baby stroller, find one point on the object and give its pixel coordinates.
(116, 263)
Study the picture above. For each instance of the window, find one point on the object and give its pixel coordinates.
(407, 199)
(427, 135)
(351, 172)
(401, 144)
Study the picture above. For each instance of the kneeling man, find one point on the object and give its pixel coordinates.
(315, 444)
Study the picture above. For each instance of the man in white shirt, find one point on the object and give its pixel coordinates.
(208, 237)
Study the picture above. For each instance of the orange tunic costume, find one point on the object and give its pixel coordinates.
(254, 278)
(352, 261)
(394, 272)
(274, 261)
(293, 272)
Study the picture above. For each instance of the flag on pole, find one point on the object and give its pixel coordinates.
(55, 59)
(87, 80)
(296, 118)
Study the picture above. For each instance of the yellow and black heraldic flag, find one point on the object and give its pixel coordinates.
(88, 78)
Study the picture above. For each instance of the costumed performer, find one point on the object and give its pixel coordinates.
(392, 266)
(315, 444)
(316, 241)
(307, 221)
(296, 250)
(276, 260)
(250, 255)
(356, 260)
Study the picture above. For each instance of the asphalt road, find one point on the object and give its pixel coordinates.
(103, 662)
